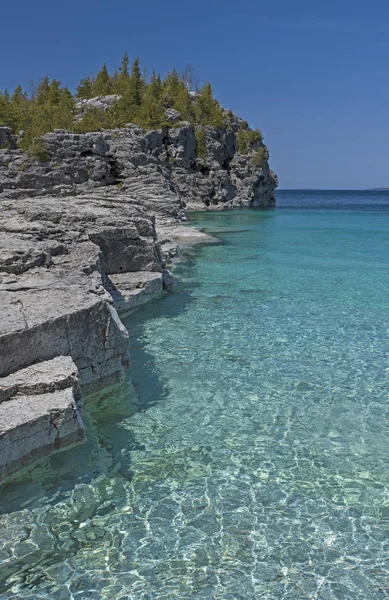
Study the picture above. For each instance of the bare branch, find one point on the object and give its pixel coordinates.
(188, 77)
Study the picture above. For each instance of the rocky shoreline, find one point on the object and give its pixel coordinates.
(84, 237)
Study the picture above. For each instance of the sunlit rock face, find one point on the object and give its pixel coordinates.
(87, 234)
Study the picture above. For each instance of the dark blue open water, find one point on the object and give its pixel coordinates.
(247, 454)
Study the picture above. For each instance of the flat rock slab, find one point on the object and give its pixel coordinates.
(41, 378)
(39, 413)
(129, 290)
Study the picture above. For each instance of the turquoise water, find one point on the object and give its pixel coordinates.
(247, 454)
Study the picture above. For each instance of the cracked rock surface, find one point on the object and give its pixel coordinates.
(39, 413)
(86, 235)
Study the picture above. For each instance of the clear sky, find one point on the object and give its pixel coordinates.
(313, 76)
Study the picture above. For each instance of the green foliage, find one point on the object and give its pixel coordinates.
(142, 100)
(122, 82)
(151, 113)
(207, 110)
(137, 84)
(103, 84)
(85, 88)
(38, 150)
(5, 109)
(247, 138)
(93, 120)
(258, 157)
(201, 146)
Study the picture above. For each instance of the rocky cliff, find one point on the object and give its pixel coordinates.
(86, 232)
(161, 169)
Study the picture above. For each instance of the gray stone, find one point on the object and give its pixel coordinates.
(172, 115)
(102, 103)
(84, 236)
(39, 413)
(41, 378)
(7, 140)
(129, 290)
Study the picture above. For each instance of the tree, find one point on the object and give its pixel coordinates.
(102, 86)
(137, 84)
(43, 89)
(122, 82)
(171, 87)
(151, 113)
(183, 103)
(5, 109)
(85, 87)
(208, 110)
(19, 110)
(188, 77)
(52, 108)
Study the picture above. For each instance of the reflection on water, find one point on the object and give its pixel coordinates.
(247, 454)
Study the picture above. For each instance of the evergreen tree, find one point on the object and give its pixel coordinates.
(184, 104)
(93, 120)
(208, 110)
(51, 105)
(53, 108)
(5, 109)
(85, 88)
(137, 84)
(151, 113)
(19, 110)
(42, 90)
(122, 83)
(102, 86)
(171, 88)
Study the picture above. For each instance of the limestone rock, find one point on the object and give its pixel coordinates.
(129, 290)
(172, 115)
(157, 169)
(103, 103)
(88, 234)
(7, 140)
(39, 414)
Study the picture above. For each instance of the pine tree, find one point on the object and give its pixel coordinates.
(102, 86)
(137, 84)
(43, 89)
(184, 104)
(171, 88)
(5, 109)
(208, 110)
(19, 110)
(151, 113)
(85, 88)
(122, 83)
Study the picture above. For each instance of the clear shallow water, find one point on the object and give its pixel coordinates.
(247, 455)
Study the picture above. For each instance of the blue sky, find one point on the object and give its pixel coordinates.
(314, 78)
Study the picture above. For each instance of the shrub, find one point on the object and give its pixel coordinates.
(247, 138)
(258, 157)
(38, 150)
(201, 146)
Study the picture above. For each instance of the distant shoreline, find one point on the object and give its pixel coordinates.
(378, 189)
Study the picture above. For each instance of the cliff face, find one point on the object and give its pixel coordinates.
(159, 168)
(85, 235)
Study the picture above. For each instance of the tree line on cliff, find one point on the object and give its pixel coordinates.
(140, 99)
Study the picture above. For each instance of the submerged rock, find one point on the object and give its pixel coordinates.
(86, 235)
(39, 413)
